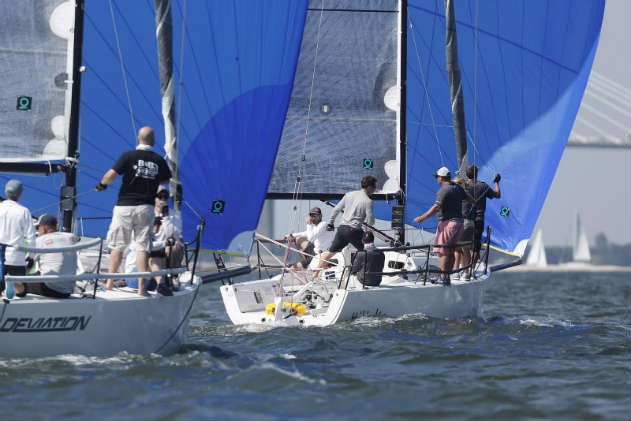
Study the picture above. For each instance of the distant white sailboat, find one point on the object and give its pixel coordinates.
(580, 246)
(537, 255)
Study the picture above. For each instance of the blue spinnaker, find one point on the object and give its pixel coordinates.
(524, 67)
(236, 62)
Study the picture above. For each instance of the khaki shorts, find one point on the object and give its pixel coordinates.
(127, 220)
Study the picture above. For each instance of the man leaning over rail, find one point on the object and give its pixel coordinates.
(448, 206)
(63, 263)
(16, 228)
(142, 170)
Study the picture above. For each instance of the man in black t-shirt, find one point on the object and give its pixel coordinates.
(480, 191)
(142, 170)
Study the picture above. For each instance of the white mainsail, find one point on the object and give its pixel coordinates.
(36, 53)
(580, 246)
(537, 255)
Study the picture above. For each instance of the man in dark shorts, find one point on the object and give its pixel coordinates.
(358, 209)
(448, 206)
(142, 170)
(480, 191)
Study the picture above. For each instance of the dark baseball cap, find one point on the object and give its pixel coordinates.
(47, 220)
(315, 211)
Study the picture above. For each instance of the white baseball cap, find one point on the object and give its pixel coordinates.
(442, 172)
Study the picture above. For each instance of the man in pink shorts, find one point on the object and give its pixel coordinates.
(448, 209)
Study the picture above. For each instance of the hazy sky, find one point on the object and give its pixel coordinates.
(595, 181)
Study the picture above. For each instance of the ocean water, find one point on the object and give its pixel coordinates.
(552, 346)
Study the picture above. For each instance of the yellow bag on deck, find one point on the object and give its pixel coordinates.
(296, 308)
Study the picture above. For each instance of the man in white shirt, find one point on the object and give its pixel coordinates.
(16, 228)
(314, 240)
(63, 263)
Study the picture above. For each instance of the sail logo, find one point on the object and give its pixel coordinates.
(146, 169)
(368, 164)
(505, 211)
(218, 206)
(45, 324)
(24, 103)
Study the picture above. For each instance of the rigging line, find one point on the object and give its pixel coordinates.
(180, 85)
(191, 208)
(59, 201)
(120, 57)
(313, 76)
(429, 105)
(99, 170)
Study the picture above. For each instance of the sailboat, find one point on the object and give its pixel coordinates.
(81, 78)
(382, 88)
(580, 246)
(537, 254)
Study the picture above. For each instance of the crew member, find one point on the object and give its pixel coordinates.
(368, 260)
(480, 191)
(63, 263)
(358, 209)
(448, 207)
(142, 170)
(16, 228)
(314, 239)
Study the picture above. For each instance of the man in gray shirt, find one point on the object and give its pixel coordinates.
(358, 208)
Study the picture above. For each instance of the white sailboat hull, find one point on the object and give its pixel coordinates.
(246, 302)
(113, 322)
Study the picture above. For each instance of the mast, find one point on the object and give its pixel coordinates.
(455, 87)
(164, 37)
(403, 16)
(68, 192)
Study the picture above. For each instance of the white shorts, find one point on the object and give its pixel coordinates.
(127, 220)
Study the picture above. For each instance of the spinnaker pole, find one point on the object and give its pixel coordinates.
(164, 37)
(68, 193)
(455, 87)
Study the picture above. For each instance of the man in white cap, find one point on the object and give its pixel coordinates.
(448, 206)
(142, 170)
(16, 228)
